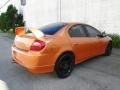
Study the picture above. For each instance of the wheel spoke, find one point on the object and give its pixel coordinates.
(65, 66)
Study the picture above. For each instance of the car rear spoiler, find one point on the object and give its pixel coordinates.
(37, 33)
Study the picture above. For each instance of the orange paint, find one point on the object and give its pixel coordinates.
(44, 60)
(19, 31)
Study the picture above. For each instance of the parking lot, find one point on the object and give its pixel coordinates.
(100, 73)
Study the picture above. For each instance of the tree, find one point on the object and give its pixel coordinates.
(10, 19)
(2, 22)
(19, 20)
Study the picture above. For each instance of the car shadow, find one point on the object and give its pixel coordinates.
(16, 76)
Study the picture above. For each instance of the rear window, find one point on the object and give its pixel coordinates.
(51, 29)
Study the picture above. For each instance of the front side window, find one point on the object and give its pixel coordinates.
(77, 31)
(92, 31)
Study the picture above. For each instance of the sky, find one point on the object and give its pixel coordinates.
(2, 2)
(14, 2)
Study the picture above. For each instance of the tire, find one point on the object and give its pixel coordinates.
(108, 49)
(64, 65)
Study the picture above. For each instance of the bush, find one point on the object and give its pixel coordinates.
(10, 19)
(115, 40)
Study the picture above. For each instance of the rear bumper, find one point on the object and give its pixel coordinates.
(34, 62)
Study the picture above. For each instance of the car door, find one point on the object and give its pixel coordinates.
(97, 43)
(80, 42)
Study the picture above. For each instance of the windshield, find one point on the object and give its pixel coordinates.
(51, 29)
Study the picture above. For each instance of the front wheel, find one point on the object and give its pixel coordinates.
(108, 49)
(64, 65)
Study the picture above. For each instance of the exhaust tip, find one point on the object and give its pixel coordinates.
(13, 61)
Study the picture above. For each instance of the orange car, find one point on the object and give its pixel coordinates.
(59, 47)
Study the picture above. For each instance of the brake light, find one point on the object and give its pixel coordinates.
(37, 45)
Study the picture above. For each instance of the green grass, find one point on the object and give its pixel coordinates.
(115, 40)
(1, 31)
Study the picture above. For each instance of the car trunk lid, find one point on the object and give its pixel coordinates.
(25, 41)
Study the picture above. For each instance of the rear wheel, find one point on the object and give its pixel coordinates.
(64, 65)
(108, 49)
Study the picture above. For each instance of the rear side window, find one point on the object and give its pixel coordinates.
(92, 31)
(51, 29)
(77, 31)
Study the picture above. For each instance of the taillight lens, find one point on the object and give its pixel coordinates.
(37, 45)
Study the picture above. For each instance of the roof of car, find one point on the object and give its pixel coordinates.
(71, 23)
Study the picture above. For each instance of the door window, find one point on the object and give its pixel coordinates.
(92, 31)
(77, 31)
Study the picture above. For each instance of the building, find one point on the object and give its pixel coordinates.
(102, 14)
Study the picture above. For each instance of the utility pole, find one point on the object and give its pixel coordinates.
(59, 11)
(23, 3)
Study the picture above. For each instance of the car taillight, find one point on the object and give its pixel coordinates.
(37, 45)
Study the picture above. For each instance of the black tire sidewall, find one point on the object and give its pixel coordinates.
(108, 49)
(60, 75)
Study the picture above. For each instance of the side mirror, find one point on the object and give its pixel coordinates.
(102, 34)
(20, 31)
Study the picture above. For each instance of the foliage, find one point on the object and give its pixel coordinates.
(115, 40)
(10, 19)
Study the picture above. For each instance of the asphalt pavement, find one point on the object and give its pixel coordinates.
(99, 73)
